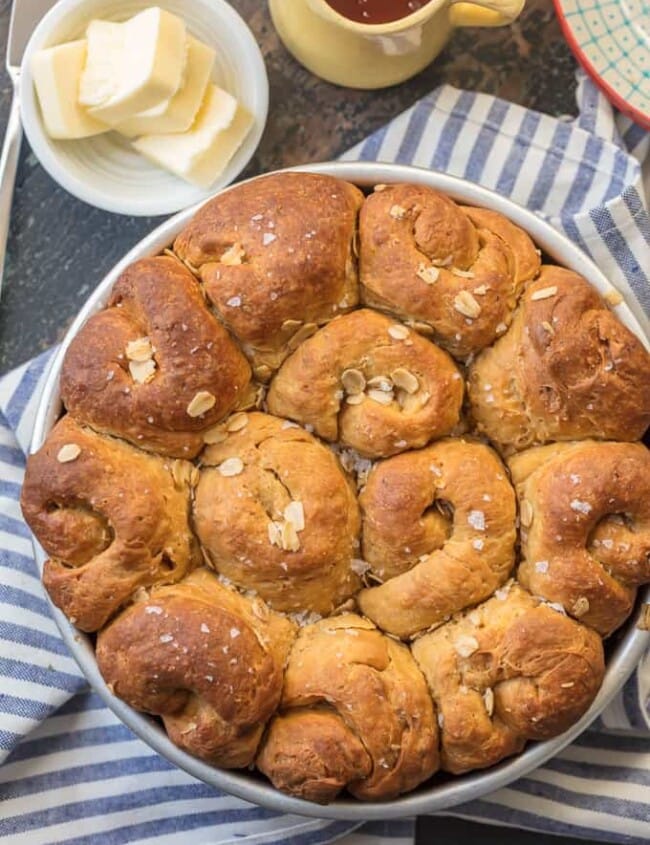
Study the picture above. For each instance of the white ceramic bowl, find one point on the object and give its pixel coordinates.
(624, 651)
(104, 170)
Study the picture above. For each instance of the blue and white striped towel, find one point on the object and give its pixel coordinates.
(73, 774)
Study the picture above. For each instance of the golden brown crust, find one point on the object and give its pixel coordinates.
(314, 386)
(585, 536)
(112, 519)
(453, 542)
(156, 300)
(510, 670)
(206, 659)
(457, 270)
(246, 530)
(293, 233)
(566, 369)
(355, 713)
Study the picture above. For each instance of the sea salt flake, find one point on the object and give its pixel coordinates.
(580, 507)
(204, 628)
(166, 638)
(153, 608)
(477, 520)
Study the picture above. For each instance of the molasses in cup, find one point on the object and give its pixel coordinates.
(377, 43)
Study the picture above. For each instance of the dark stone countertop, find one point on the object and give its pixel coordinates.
(60, 248)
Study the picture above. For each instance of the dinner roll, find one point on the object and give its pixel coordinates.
(457, 272)
(585, 527)
(155, 366)
(275, 513)
(110, 517)
(371, 384)
(355, 713)
(277, 259)
(510, 670)
(439, 530)
(566, 369)
(204, 658)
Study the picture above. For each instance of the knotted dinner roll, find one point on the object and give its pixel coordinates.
(155, 366)
(510, 670)
(110, 517)
(566, 369)
(439, 530)
(457, 272)
(355, 713)
(275, 513)
(371, 384)
(276, 258)
(585, 527)
(206, 659)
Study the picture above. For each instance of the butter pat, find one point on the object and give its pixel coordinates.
(56, 73)
(132, 66)
(201, 154)
(177, 114)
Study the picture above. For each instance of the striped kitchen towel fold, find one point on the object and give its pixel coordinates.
(74, 774)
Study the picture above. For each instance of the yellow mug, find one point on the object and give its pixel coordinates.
(359, 55)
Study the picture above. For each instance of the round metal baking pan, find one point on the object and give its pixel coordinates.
(623, 653)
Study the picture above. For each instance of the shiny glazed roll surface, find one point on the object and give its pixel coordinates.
(439, 530)
(370, 383)
(510, 670)
(111, 518)
(585, 536)
(355, 713)
(566, 369)
(276, 257)
(154, 367)
(275, 513)
(206, 659)
(456, 272)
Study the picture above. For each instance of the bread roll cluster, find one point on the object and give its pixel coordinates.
(349, 487)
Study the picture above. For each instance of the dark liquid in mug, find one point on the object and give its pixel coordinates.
(376, 11)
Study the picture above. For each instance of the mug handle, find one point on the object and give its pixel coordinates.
(484, 12)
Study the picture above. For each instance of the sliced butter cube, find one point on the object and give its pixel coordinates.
(56, 72)
(177, 114)
(132, 66)
(201, 154)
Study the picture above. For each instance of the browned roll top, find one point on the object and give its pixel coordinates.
(439, 530)
(275, 513)
(585, 535)
(355, 713)
(206, 659)
(510, 670)
(276, 258)
(456, 272)
(110, 517)
(566, 369)
(371, 384)
(155, 366)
